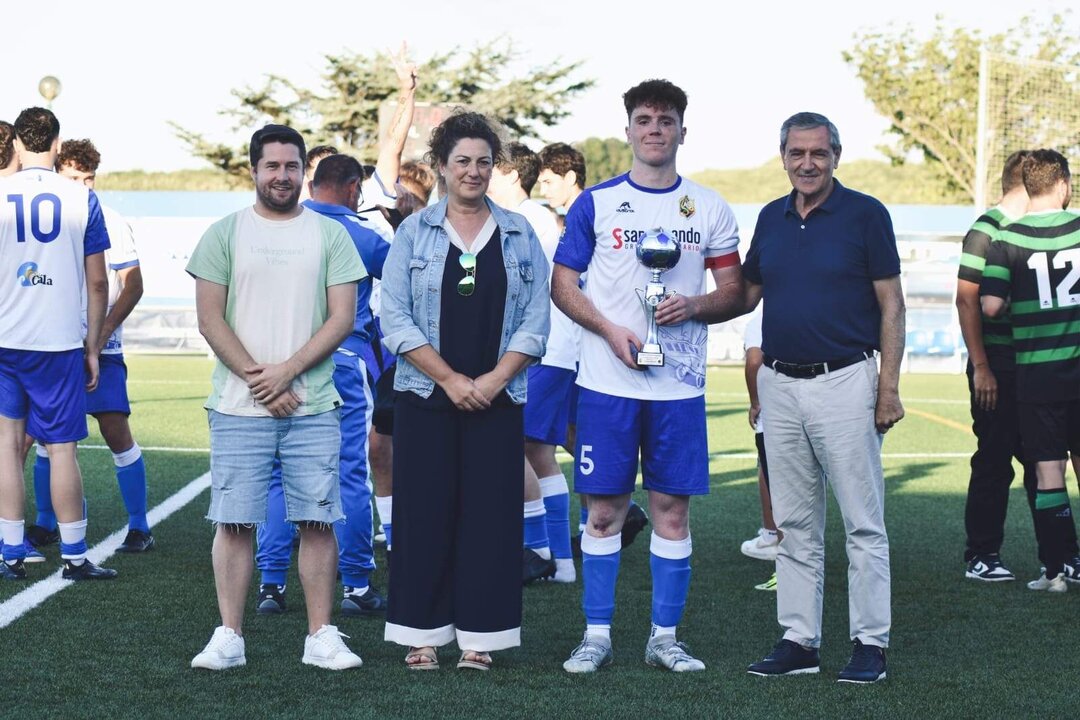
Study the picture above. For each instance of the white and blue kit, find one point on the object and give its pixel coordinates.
(354, 532)
(110, 396)
(48, 226)
(660, 409)
(657, 411)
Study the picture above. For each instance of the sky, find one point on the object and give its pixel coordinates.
(128, 68)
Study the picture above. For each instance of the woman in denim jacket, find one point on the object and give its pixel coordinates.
(465, 308)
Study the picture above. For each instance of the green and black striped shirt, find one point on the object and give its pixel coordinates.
(1035, 262)
(996, 332)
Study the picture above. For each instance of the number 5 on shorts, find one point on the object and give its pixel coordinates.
(587, 465)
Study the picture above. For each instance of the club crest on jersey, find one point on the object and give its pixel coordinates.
(624, 208)
(28, 275)
(686, 206)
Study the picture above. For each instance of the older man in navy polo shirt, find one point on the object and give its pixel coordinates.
(824, 259)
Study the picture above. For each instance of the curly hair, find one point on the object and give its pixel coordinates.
(519, 157)
(462, 124)
(1043, 170)
(561, 158)
(37, 128)
(660, 94)
(81, 154)
(7, 144)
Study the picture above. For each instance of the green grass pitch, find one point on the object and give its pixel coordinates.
(959, 648)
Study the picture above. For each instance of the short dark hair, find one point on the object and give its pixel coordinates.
(275, 133)
(660, 94)
(337, 170)
(7, 143)
(461, 125)
(809, 121)
(1012, 174)
(79, 153)
(317, 153)
(560, 159)
(1043, 169)
(36, 129)
(519, 157)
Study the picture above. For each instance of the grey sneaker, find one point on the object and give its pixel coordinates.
(593, 653)
(663, 651)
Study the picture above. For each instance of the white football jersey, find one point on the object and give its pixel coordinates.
(48, 225)
(565, 336)
(120, 256)
(603, 228)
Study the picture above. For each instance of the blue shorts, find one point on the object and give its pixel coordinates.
(48, 390)
(111, 393)
(670, 435)
(547, 410)
(242, 452)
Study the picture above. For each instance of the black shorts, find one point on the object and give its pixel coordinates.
(382, 416)
(1050, 431)
(763, 462)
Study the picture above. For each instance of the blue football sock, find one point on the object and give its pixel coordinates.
(535, 525)
(73, 540)
(131, 476)
(599, 572)
(669, 561)
(46, 518)
(556, 496)
(583, 516)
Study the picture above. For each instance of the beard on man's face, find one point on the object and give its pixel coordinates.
(271, 195)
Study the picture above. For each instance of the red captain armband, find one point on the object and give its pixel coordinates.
(722, 261)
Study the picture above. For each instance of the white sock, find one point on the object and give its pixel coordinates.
(385, 506)
(565, 572)
(73, 533)
(123, 459)
(544, 552)
(657, 631)
(554, 485)
(357, 591)
(603, 631)
(11, 532)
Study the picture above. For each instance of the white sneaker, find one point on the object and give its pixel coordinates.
(664, 652)
(762, 546)
(326, 649)
(225, 650)
(1056, 585)
(593, 653)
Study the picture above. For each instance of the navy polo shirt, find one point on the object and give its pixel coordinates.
(817, 275)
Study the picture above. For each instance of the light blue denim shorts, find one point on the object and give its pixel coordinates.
(242, 452)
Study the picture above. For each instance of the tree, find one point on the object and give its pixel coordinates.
(929, 87)
(345, 112)
(605, 158)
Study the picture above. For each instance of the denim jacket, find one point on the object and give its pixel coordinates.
(412, 286)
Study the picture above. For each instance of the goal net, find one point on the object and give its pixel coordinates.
(1023, 105)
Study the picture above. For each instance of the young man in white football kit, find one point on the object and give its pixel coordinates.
(546, 412)
(625, 407)
(52, 236)
(78, 161)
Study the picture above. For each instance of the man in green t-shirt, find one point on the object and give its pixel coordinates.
(1034, 265)
(275, 290)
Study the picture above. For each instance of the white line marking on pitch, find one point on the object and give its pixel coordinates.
(23, 602)
(152, 448)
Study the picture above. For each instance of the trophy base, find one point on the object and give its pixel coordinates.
(650, 359)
